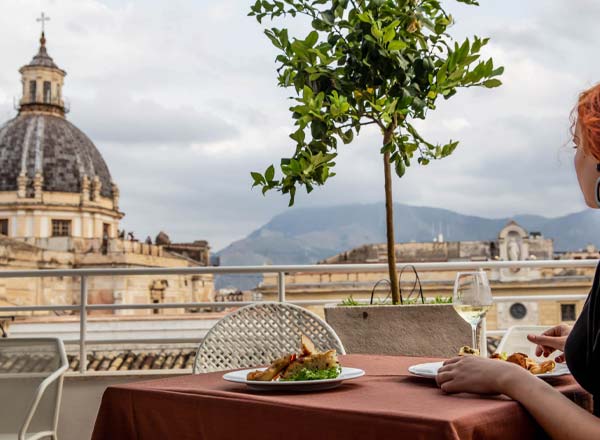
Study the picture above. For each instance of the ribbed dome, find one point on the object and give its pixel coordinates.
(51, 145)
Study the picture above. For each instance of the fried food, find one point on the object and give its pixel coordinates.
(308, 346)
(277, 366)
(530, 363)
(315, 361)
(544, 367)
(308, 365)
(524, 361)
(518, 358)
(521, 359)
(466, 350)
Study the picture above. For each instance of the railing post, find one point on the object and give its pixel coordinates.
(83, 326)
(281, 286)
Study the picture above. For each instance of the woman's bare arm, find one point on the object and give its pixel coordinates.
(560, 418)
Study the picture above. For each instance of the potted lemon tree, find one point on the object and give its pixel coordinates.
(377, 63)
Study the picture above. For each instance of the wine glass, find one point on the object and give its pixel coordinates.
(472, 298)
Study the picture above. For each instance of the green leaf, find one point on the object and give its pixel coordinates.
(298, 136)
(311, 39)
(270, 173)
(258, 178)
(318, 129)
(400, 168)
(498, 71)
(376, 30)
(320, 25)
(292, 195)
(397, 45)
(491, 83)
(269, 33)
(347, 136)
(448, 149)
(364, 17)
(328, 17)
(389, 35)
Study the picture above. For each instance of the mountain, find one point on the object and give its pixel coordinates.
(306, 235)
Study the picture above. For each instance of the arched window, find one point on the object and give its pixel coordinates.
(47, 92)
(32, 91)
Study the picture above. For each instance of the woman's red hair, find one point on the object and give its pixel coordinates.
(588, 117)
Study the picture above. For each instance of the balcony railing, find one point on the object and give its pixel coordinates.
(84, 307)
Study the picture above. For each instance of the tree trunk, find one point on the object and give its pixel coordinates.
(389, 223)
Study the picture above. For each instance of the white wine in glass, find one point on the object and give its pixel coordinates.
(472, 299)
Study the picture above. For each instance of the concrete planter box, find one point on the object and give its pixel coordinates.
(433, 330)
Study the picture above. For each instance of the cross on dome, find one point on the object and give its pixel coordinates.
(43, 19)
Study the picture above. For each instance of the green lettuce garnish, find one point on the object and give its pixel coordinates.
(307, 374)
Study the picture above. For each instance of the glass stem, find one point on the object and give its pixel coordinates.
(474, 334)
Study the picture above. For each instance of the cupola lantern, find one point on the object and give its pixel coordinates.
(42, 81)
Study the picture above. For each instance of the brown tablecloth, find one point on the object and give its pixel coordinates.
(386, 403)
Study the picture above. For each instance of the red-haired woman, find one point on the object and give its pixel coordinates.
(579, 346)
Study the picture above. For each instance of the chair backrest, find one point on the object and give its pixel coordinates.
(31, 372)
(259, 333)
(515, 340)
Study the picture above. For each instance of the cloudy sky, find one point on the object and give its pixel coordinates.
(180, 97)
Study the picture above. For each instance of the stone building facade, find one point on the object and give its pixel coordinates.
(513, 243)
(59, 208)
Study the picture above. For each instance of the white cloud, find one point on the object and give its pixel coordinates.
(181, 99)
(455, 124)
(147, 122)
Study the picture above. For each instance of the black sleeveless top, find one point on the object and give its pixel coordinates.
(582, 350)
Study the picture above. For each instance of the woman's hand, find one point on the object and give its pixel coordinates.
(473, 374)
(551, 340)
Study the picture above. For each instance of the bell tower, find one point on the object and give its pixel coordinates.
(42, 82)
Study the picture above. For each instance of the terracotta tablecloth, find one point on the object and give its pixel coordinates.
(386, 403)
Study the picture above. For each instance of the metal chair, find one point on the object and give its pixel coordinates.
(259, 333)
(31, 379)
(515, 340)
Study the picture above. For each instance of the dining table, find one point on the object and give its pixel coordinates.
(388, 402)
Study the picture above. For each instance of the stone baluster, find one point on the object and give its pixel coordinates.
(22, 185)
(85, 189)
(116, 193)
(96, 187)
(38, 181)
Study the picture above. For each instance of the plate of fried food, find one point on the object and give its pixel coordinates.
(309, 370)
(542, 369)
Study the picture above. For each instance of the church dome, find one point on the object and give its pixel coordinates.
(46, 144)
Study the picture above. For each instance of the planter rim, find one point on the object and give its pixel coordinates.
(341, 306)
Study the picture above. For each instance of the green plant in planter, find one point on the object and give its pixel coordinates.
(367, 62)
(350, 301)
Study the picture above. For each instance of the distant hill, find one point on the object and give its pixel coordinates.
(307, 235)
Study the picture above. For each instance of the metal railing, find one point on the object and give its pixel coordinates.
(282, 270)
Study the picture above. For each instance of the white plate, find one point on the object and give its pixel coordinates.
(299, 385)
(430, 370)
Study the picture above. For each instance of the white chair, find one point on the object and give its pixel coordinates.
(259, 333)
(515, 340)
(31, 378)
